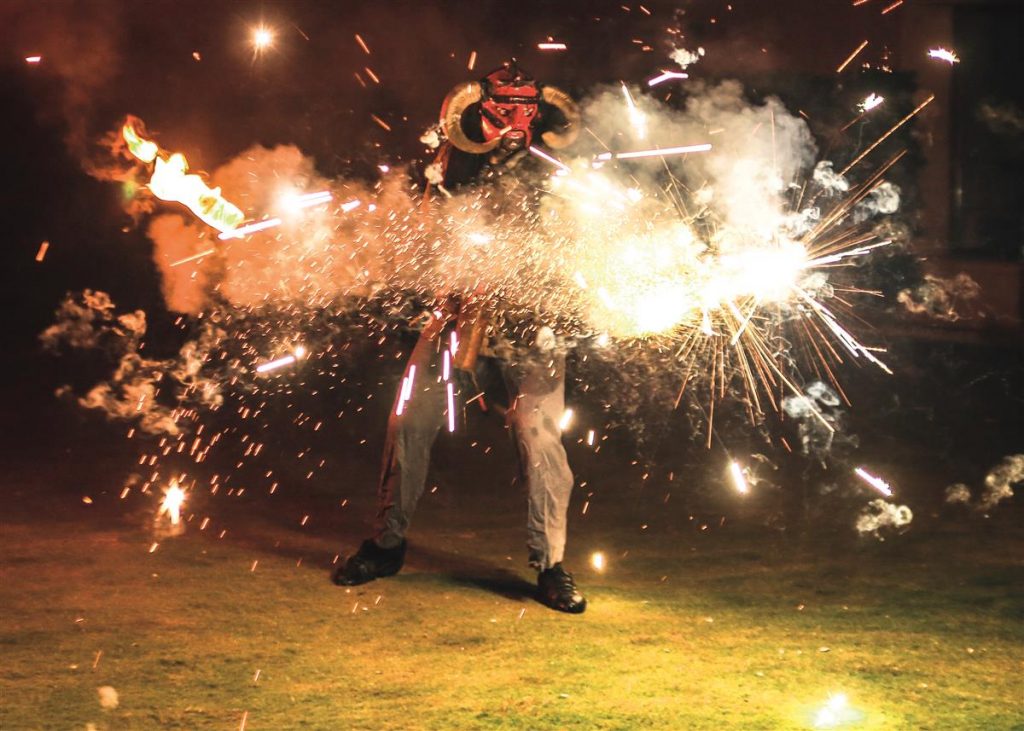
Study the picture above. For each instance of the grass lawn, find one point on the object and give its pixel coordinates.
(687, 629)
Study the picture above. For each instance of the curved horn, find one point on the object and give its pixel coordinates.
(455, 104)
(569, 109)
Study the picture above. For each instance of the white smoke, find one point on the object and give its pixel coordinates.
(132, 392)
(884, 199)
(1000, 480)
(879, 515)
(686, 58)
(999, 484)
(958, 494)
(945, 299)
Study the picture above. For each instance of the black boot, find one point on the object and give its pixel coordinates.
(368, 563)
(557, 589)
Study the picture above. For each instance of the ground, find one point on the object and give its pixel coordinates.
(687, 627)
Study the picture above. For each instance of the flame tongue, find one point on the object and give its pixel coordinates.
(172, 182)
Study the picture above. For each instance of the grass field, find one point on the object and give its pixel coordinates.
(686, 629)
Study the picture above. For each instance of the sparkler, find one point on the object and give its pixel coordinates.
(876, 482)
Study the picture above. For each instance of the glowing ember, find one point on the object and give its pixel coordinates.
(551, 46)
(738, 479)
(597, 560)
(876, 482)
(172, 182)
(33, 59)
(566, 420)
(944, 54)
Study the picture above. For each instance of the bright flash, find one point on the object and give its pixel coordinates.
(833, 713)
(876, 482)
(174, 498)
(597, 560)
(566, 420)
(944, 54)
(33, 59)
(262, 38)
(738, 479)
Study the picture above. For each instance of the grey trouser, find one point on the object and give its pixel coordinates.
(536, 383)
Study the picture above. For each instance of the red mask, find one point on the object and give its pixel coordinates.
(509, 108)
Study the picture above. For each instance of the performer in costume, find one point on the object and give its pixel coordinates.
(485, 132)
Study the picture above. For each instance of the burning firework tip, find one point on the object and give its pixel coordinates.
(552, 46)
(174, 498)
(876, 482)
(33, 59)
(944, 54)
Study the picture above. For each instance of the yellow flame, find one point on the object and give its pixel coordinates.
(172, 182)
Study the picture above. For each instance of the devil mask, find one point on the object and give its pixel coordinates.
(512, 107)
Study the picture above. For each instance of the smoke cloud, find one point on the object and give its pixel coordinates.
(879, 515)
